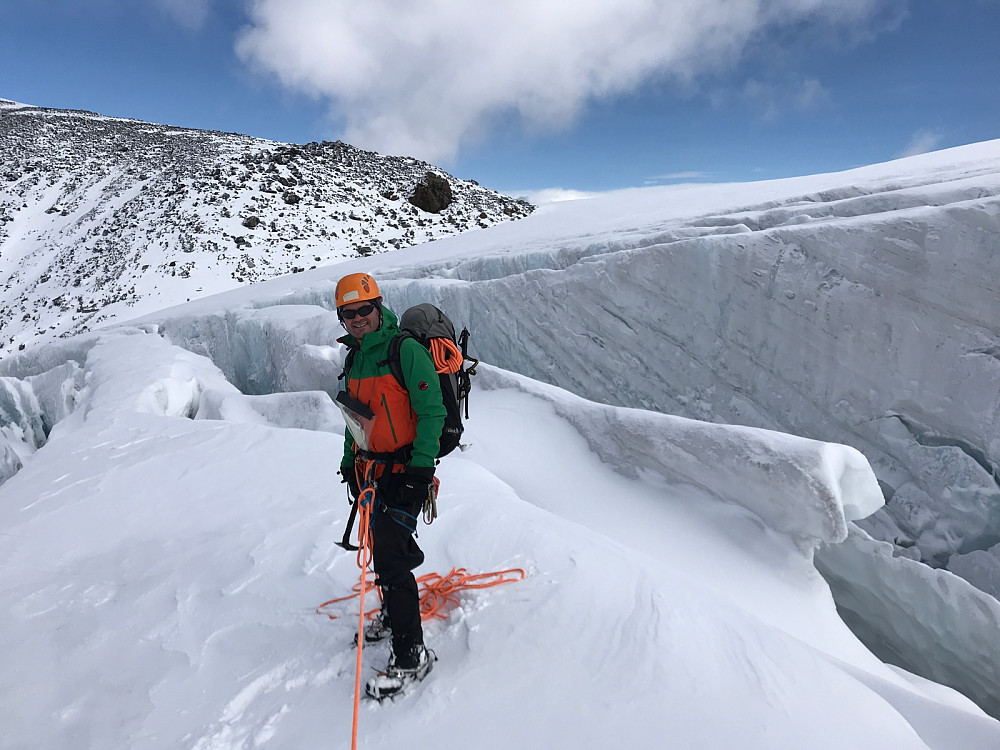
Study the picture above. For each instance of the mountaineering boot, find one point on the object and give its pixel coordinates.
(402, 671)
(378, 629)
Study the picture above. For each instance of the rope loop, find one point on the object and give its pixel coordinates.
(447, 356)
(437, 592)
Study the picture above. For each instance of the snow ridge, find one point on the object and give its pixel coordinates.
(815, 488)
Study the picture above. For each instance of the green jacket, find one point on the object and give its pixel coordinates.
(411, 416)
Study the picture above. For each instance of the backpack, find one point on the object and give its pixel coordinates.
(432, 328)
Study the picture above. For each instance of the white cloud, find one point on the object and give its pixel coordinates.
(922, 142)
(422, 78)
(191, 14)
(774, 99)
(811, 95)
(762, 97)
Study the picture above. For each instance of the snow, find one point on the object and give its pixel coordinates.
(856, 307)
(170, 523)
(909, 610)
(813, 488)
(12, 105)
(104, 219)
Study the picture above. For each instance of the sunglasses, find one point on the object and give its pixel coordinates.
(362, 311)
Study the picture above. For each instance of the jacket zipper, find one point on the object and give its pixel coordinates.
(392, 429)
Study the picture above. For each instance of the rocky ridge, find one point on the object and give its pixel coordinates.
(105, 218)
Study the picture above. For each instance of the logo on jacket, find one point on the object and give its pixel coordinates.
(423, 385)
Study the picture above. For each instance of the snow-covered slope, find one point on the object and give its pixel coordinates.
(859, 307)
(163, 567)
(670, 562)
(103, 218)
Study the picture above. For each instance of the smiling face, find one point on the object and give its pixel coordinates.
(360, 318)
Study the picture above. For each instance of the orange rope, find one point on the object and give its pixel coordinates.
(446, 355)
(436, 591)
(365, 501)
(370, 615)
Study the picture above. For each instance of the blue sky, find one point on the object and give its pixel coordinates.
(522, 96)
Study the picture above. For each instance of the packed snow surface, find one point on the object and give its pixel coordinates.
(172, 507)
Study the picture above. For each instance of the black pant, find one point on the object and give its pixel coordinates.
(396, 554)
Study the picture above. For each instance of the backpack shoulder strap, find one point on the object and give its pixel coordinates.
(392, 359)
(348, 363)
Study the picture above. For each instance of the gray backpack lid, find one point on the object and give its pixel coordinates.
(427, 322)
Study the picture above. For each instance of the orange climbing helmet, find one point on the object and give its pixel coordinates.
(356, 287)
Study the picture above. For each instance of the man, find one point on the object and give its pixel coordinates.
(402, 442)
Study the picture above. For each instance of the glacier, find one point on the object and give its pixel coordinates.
(172, 513)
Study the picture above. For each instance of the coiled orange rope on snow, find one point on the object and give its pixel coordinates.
(437, 592)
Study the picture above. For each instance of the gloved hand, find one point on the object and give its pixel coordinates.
(350, 476)
(413, 487)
